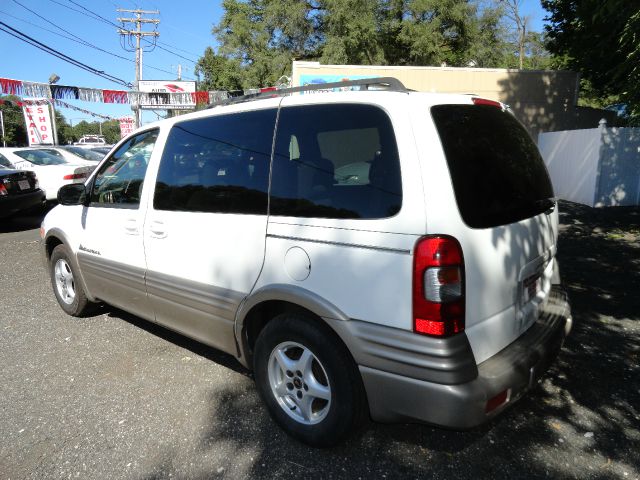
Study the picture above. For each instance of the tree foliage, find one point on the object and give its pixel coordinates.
(110, 129)
(600, 39)
(258, 39)
(15, 130)
(218, 72)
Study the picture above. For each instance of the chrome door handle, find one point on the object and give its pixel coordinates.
(131, 226)
(157, 229)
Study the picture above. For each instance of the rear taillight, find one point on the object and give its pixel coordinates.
(3, 190)
(74, 176)
(438, 286)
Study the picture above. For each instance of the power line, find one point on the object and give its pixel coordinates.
(85, 43)
(46, 20)
(51, 51)
(92, 15)
(174, 53)
(96, 16)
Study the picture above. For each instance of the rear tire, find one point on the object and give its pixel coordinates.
(68, 290)
(308, 380)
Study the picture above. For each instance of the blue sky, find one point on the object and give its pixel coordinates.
(185, 30)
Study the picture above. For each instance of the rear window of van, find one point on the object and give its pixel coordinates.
(497, 172)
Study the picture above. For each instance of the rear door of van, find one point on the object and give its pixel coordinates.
(204, 234)
(499, 203)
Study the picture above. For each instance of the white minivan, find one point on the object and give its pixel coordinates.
(377, 253)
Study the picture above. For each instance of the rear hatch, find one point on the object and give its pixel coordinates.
(507, 223)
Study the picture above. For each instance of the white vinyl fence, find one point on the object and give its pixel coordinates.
(597, 167)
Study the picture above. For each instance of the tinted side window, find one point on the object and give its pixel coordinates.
(335, 161)
(120, 179)
(217, 164)
(4, 162)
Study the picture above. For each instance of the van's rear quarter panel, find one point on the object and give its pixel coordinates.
(494, 258)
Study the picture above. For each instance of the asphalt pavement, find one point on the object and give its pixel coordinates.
(112, 396)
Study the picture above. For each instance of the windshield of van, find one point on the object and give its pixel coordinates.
(497, 172)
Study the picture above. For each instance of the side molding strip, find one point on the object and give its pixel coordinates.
(340, 244)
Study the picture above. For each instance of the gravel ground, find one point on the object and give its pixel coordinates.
(111, 396)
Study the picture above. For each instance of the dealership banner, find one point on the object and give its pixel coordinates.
(158, 94)
(38, 121)
(127, 126)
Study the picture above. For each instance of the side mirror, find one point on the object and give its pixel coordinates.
(72, 194)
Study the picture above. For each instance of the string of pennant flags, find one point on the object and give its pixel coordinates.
(162, 99)
(69, 92)
(59, 103)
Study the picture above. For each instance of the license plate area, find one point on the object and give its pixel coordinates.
(24, 184)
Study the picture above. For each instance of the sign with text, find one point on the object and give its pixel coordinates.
(38, 121)
(158, 94)
(127, 126)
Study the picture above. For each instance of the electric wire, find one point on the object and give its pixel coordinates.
(45, 19)
(91, 14)
(85, 43)
(45, 48)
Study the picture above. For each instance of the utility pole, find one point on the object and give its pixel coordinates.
(4, 143)
(138, 34)
(53, 121)
(174, 113)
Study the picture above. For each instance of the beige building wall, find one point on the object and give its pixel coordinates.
(543, 100)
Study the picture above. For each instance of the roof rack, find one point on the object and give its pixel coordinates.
(387, 84)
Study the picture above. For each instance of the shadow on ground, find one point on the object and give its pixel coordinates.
(21, 222)
(221, 358)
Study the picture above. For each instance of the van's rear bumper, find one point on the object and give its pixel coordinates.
(394, 397)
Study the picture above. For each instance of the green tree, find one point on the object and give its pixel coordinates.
(351, 33)
(437, 31)
(110, 129)
(216, 72)
(15, 131)
(84, 128)
(262, 36)
(259, 38)
(601, 40)
(63, 129)
(490, 47)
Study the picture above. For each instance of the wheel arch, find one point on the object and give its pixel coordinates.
(270, 301)
(52, 239)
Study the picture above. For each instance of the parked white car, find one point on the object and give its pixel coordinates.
(367, 253)
(75, 155)
(53, 172)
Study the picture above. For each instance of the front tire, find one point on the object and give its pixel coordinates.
(68, 290)
(308, 380)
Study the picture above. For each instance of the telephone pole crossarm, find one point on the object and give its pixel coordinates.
(138, 11)
(138, 21)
